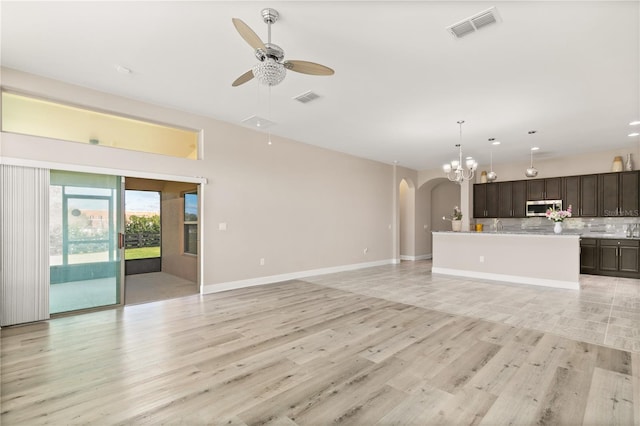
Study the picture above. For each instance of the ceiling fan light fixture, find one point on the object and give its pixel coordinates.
(272, 68)
(269, 72)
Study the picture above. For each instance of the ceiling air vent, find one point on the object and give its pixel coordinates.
(474, 23)
(307, 97)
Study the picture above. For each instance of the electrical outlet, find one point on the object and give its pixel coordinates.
(481, 259)
(365, 251)
(262, 261)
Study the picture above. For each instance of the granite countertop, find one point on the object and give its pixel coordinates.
(607, 235)
(512, 233)
(567, 233)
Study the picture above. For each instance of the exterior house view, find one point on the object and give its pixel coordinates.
(237, 213)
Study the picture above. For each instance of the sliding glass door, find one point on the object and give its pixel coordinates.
(85, 241)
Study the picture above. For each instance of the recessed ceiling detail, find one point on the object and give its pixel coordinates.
(474, 23)
(306, 97)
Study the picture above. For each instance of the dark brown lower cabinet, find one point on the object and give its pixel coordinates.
(618, 258)
(588, 256)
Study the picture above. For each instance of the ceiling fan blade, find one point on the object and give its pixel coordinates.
(243, 78)
(248, 34)
(306, 67)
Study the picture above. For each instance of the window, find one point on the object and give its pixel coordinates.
(191, 223)
(38, 117)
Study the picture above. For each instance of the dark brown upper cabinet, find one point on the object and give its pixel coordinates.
(544, 189)
(485, 200)
(581, 193)
(512, 198)
(589, 195)
(618, 196)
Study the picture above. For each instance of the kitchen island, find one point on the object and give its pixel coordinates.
(545, 259)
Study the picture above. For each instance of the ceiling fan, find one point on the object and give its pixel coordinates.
(272, 67)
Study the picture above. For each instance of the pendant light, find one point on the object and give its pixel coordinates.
(532, 171)
(491, 176)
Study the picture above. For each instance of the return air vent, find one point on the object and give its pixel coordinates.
(474, 23)
(307, 97)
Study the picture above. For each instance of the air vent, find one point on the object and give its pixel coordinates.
(474, 23)
(257, 122)
(307, 97)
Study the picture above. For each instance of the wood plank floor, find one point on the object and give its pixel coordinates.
(300, 353)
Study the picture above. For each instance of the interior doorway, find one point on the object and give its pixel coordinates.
(162, 219)
(407, 197)
(142, 232)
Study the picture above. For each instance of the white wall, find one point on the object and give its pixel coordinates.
(423, 222)
(407, 219)
(444, 197)
(297, 206)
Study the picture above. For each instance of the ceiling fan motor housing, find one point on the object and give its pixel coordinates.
(270, 16)
(274, 52)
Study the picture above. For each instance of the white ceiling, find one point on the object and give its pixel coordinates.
(568, 69)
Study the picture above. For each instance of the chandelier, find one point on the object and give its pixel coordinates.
(454, 170)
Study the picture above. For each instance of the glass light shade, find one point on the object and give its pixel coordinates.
(269, 72)
(446, 168)
(470, 163)
(455, 164)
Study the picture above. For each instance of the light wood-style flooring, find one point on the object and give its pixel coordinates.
(154, 286)
(305, 353)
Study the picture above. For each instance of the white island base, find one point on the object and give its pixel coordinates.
(538, 259)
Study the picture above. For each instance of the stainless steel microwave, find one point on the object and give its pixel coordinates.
(539, 208)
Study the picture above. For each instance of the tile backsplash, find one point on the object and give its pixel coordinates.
(579, 225)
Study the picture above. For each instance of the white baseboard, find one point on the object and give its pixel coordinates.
(414, 258)
(231, 285)
(515, 279)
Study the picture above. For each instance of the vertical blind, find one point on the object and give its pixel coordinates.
(24, 256)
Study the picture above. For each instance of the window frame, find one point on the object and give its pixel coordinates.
(188, 224)
(117, 116)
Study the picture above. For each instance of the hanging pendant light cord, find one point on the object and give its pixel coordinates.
(531, 153)
(269, 111)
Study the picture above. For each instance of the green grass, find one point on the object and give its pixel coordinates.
(141, 253)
